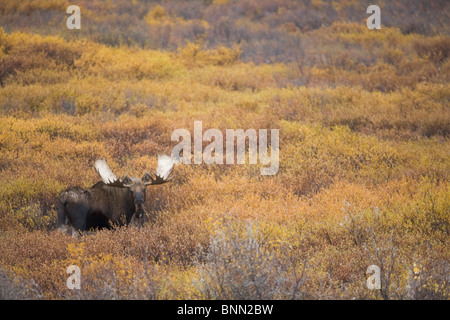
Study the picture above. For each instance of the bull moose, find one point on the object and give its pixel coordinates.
(111, 200)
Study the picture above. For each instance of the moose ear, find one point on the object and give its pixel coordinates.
(146, 178)
(126, 181)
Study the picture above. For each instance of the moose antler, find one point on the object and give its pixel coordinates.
(108, 177)
(163, 171)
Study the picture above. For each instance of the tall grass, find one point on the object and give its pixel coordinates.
(364, 126)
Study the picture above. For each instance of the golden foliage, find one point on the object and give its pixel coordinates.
(364, 125)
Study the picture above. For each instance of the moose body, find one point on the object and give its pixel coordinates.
(111, 201)
(96, 207)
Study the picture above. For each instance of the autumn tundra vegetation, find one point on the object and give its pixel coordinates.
(364, 123)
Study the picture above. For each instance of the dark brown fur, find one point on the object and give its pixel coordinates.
(100, 206)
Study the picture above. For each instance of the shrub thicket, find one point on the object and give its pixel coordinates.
(364, 126)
